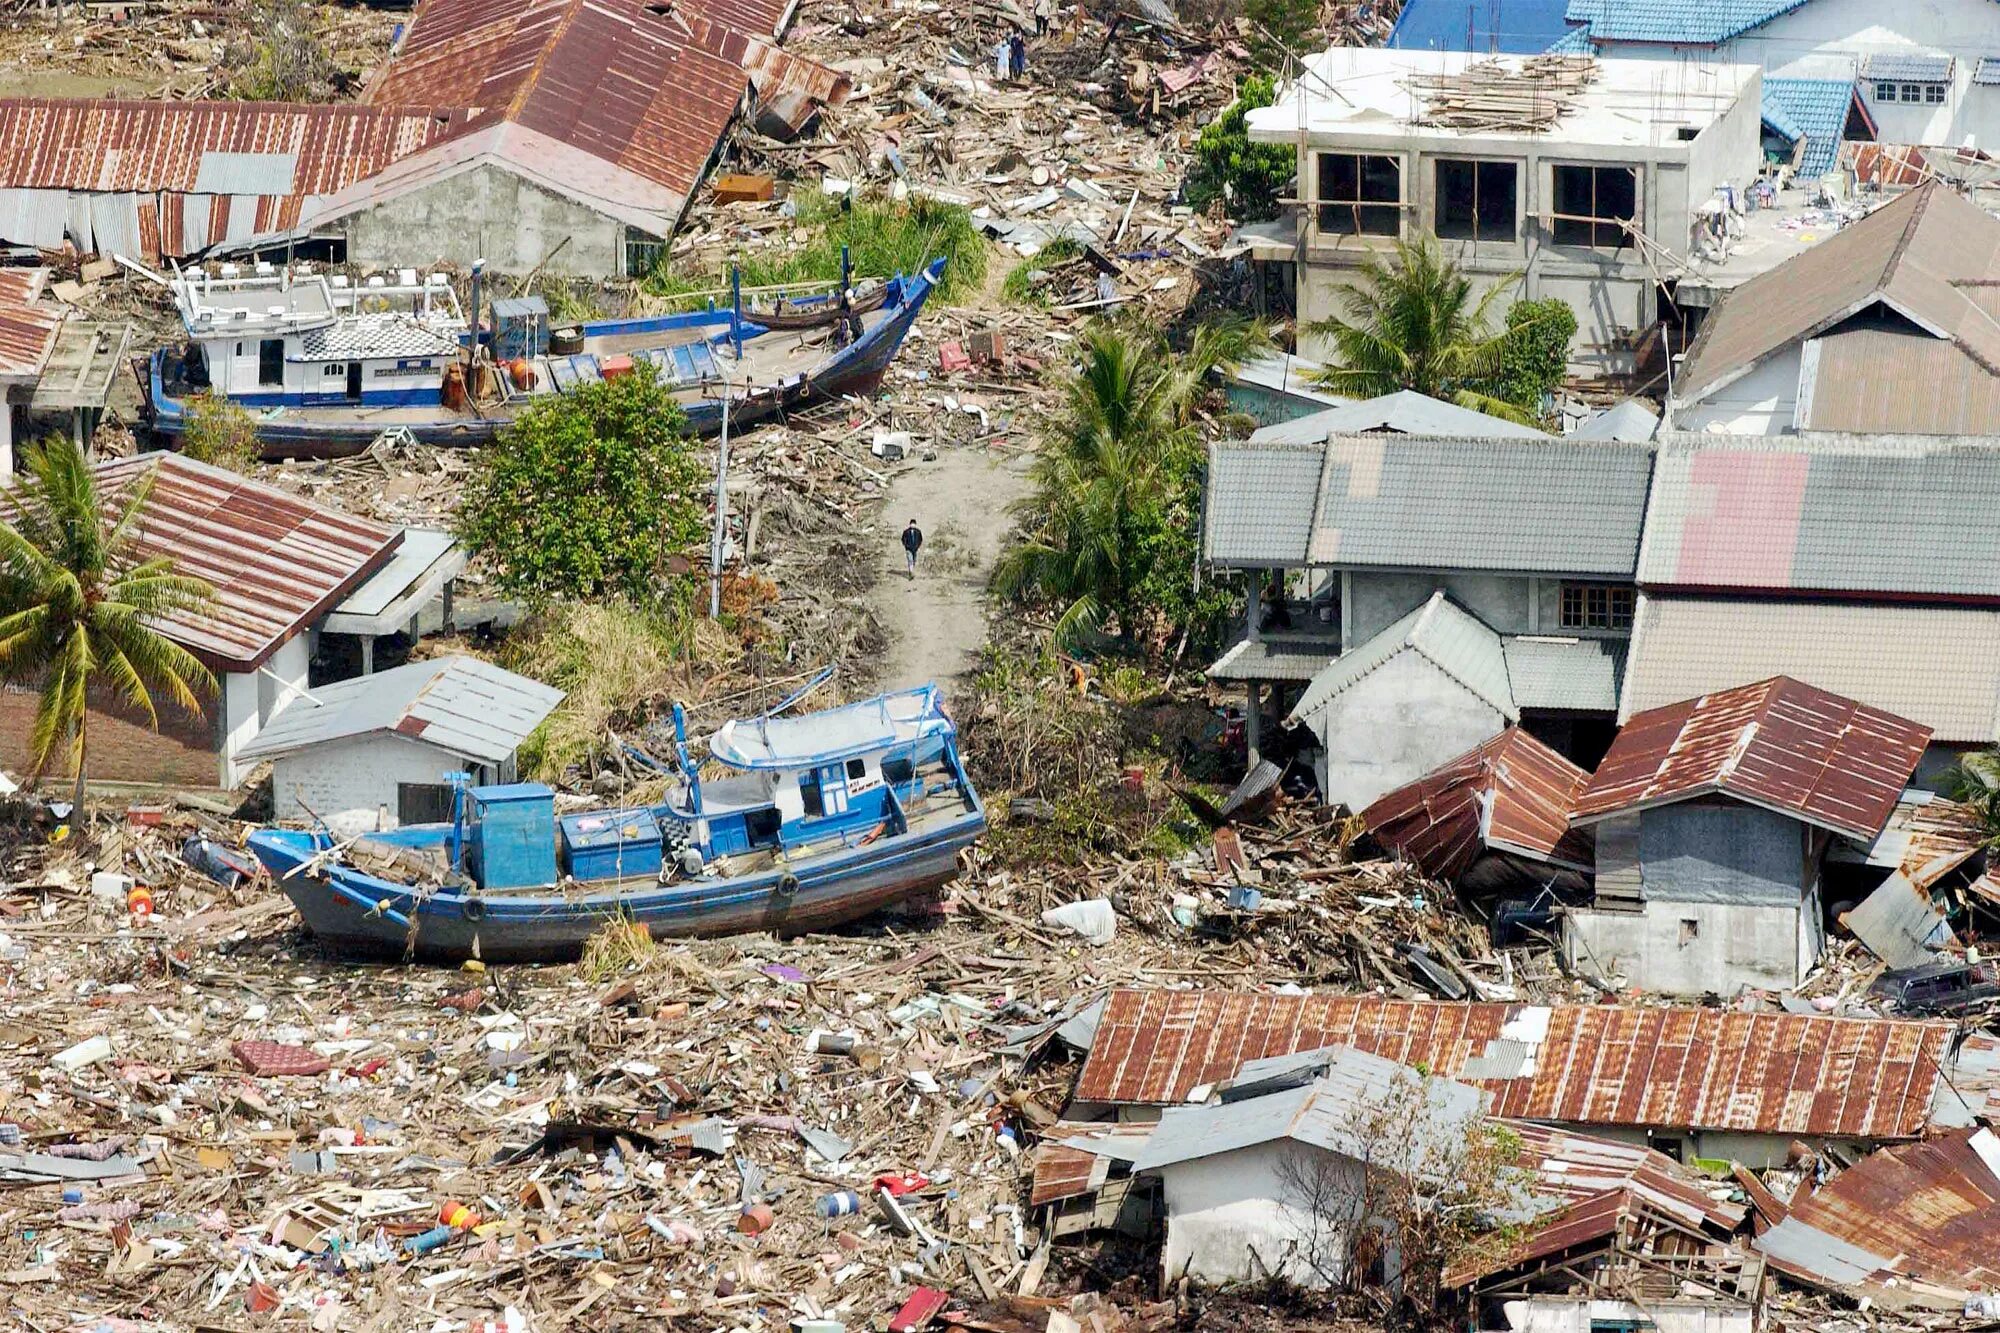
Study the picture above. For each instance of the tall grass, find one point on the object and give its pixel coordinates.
(884, 236)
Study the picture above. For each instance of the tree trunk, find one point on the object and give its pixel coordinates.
(77, 822)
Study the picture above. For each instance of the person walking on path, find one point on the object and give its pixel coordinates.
(1043, 10)
(1003, 58)
(913, 541)
(1018, 54)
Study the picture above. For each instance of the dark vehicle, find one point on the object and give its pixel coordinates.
(1939, 988)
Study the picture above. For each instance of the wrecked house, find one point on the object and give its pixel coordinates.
(370, 753)
(1868, 568)
(1884, 327)
(1273, 1179)
(1633, 1241)
(1412, 596)
(1570, 173)
(1492, 820)
(1713, 819)
(280, 565)
(1687, 1082)
(556, 135)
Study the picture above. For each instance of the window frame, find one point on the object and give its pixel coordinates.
(1600, 224)
(1934, 94)
(1479, 167)
(641, 252)
(1361, 208)
(1606, 608)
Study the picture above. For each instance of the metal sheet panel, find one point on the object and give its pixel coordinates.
(1675, 1068)
(1511, 794)
(246, 173)
(28, 324)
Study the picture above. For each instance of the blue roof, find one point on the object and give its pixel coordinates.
(1575, 42)
(1687, 22)
(1811, 109)
(1505, 27)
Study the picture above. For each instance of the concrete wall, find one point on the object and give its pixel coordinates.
(1557, 1314)
(1724, 852)
(123, 746)
(486, 213)
(1612, 292)
(1223, 1209)
(1503, 601)
(1689, 949)
(1763, 402)
(252, 698)
(352, 783)
(1398, 723)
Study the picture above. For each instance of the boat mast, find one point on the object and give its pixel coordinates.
(722, 451)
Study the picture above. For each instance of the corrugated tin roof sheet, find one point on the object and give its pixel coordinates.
(1908, 255)
(1596, 1064)
(1445, 634)
(1909, 1225)
(276, 561)
(1511, 27)
(1878, 381)
(1788, 517)
(461, 705)
(1779, 743)
(1424, 502)
(1889, 657)
(1681, 22)
(1512, 794)
(28, 324)
(1811, 109)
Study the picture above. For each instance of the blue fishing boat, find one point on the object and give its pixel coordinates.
(821, 818)
(327, 366)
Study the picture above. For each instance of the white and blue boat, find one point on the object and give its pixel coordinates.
(327, 365)
(821, 819)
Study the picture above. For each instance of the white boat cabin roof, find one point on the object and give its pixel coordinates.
(272, 300)
(882, 723)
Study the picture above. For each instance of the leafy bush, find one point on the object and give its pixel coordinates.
(289, 62)
(1536, 351)
(1282, 27)
(1250, 177)
(884, 236)
(588, 494)
(220, 432)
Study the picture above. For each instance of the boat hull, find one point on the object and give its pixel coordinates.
(445, 926)
(303, 433)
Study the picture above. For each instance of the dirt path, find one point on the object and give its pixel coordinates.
(936, 623)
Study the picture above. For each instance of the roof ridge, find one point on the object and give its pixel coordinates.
(1900, 250)
(519, 101)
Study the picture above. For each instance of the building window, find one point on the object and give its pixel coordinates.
(1596, 606)
(1934, 94)
(1888, 92)
(1476, 200)
(642, 253)
(1360, 194)
(1926, 94)
(271, 361)
(1594, 206)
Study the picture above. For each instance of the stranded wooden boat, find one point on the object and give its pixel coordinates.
(327, 367)
(829, 816)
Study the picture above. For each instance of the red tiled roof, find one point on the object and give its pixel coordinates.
(1780, 744)
(1590, 1065)
(276, 561)
(1512, 794)
(28, 324)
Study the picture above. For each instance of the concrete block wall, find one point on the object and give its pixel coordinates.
(352, 784)
(486, 213)
(123, 747)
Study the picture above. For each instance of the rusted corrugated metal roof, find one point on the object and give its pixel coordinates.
(28, 324)
(1909, 1225)
(1512, 794)
(276, 561)
(1586, 1065)
(1075, 1157)
(1779, 743)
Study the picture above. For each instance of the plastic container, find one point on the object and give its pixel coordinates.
(840, 1203)
(457, 1216)
(1093, 918)
(139, 902)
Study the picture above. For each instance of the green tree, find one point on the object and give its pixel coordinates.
(1250, 177)
(1415, 324)
(1282, 28)
(220, 432)
(1975, 780)
(587, 494)
(77, 608)
(1535, 356)
(1116, 470)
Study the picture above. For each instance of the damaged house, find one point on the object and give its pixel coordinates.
(562, 135)
(1713, 818)
(1413, 596)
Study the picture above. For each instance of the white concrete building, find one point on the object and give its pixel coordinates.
(369, 754)
(1584, 176)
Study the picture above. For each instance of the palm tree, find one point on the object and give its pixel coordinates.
(1975, 781)
(76, 607)
(1415, 324)
(1107, 469)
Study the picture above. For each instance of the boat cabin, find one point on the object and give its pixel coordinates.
(274, 337)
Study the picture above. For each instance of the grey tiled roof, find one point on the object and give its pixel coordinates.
(1781, 516)
(1914, 66)
(1454, 640)
(1266, 660)
(1541, 506)
(1938, 666)
(1565, 673)
(1404, 413)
